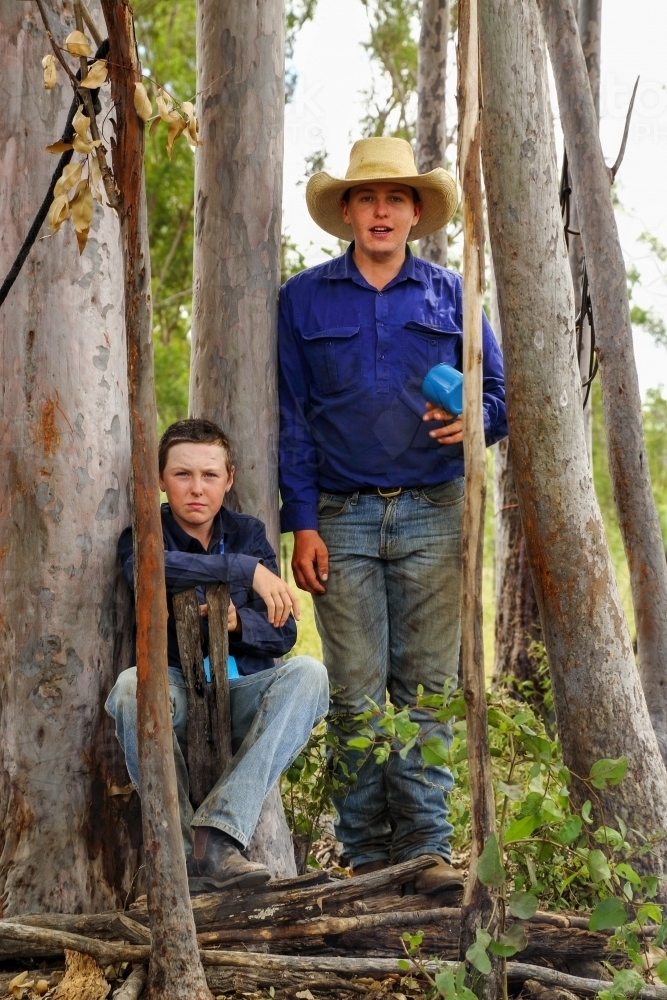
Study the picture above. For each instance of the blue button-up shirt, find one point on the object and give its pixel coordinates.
(352, 360)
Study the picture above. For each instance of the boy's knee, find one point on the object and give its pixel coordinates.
(125, 689)
(312, 677)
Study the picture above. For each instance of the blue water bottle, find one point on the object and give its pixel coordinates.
(443, 386)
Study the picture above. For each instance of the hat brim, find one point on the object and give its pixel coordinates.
(437, 191)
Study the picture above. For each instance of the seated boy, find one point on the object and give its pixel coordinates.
(273, 709)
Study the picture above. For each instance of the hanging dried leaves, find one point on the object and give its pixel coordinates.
(95, 179)
(192, 133)
(50, 64)
(97, 74)
(58, 147)
(69, 177)
(77, 44)
(81, 123)
(81, 207)
(58, 212)
(142, 102)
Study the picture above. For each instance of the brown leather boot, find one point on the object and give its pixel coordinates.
(440, 878)
(217, 863)
(370, 866)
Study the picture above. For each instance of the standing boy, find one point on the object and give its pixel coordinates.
(372, 480)
(273, 709)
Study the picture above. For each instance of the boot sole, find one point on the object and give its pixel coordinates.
(205, 883)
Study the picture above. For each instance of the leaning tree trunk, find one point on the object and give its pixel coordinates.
(628, 462)
(600, 706)
(431, 124)
(68, 843)
(238, 193)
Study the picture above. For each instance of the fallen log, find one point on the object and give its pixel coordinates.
(133, 986)
(54, 942)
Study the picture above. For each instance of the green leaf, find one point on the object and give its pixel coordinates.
(490, 871)
(661, 935)
(513, 792)
(359, 742)
(586, 811)
(608, 770)
(510, 943)
(404, 965)
(523, 905)
(434, 751)
(597, 866)
(520, 829)
(570, 830)
(445, 985)
(661, 970)
(649, 911)
(607, 914)
(476, 953)
(627, 871)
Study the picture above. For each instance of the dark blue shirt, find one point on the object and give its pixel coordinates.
(352, 361)
(188, 565)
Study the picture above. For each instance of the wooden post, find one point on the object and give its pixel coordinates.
(477, 909)
(175, 971)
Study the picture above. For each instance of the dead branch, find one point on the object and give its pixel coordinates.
(133, 986)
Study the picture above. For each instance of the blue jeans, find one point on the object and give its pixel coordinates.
(273, 713)
(389, 621)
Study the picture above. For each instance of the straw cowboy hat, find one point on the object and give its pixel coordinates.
(383, 159)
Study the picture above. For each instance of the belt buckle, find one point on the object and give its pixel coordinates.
(389, 494)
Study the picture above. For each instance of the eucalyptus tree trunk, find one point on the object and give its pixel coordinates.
(588, 19)
(431, 124)
(68, 842)
(628, 462)
(238, 194)
(600, 706)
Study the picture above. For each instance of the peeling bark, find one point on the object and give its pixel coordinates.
(68, 843)
(238, 194)
(628, 462)
(600, 707)
(175, 971)
(431, 123)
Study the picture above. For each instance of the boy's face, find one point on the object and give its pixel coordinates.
(196, 479)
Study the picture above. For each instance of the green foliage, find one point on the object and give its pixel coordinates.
(166, 35)
(391, 101)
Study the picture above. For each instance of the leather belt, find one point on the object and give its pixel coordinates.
(386, 492)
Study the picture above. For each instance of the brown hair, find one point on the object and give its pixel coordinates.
(193, 432)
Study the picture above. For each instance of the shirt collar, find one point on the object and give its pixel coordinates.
(345, 267)
(186, 542)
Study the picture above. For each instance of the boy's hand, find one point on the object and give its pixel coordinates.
(310, 560)
(452, 433)
(280, 599)
(232, 618)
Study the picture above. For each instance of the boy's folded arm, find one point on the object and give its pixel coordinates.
(259, 637)
(185, 570)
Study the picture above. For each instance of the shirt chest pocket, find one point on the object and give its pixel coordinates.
(426, 345)
(334, 356)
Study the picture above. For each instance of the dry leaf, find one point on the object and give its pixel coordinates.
(305, 995)
(652, 956)
(20, 984)
(165, 105)
(86, 145)
(68, 178)
(95, 175)
(83, 979)
(121, 789)
(97, 74)
(188, 109)
(77, 44)
(154, 125)
(177, 126)
(41, 987)
(81, 123)
(81, 207)
(58, 212)
(58, 147)
(50, 71)
(142, 103)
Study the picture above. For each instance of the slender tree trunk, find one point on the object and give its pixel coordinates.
(517, 621)
(478, 907)
(68, 844)
(628, 462)
(600, 706)
(588, 18)
(431, 124)
(175, 970)
(238, 193)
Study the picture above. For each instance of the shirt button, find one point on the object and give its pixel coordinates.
(379, 295)
(382, 357)
(433, 341)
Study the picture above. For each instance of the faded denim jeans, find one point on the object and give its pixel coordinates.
(389, 621)
(273, 713)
